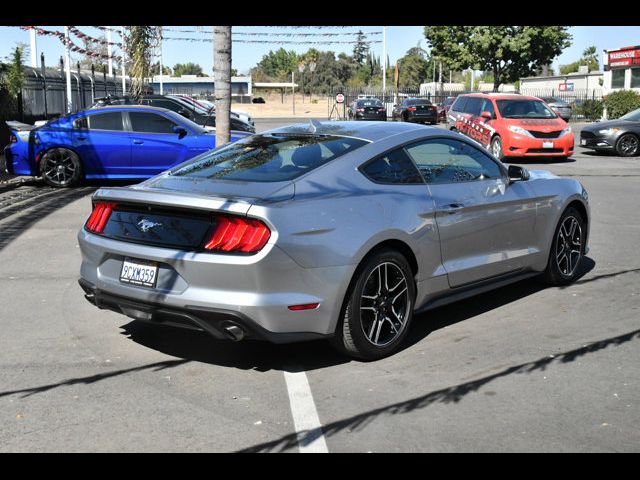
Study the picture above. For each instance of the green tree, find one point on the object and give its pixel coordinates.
(14, 75)
(140, 41)
(279, 64)
(414, 68)
(155, 69)
(190, 68)
(361, 48)
(508, 52)
(589, 58)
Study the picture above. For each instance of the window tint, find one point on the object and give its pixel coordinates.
(147, 122)
(487, 106)
(395, 167)
(635, 77)
(106, 121)
(617, 78)
(459, 104)
(268, 158)
(524, 109)
(474, 106)
(449, 161)
(369, 103)
(418, 101)
(166, 104)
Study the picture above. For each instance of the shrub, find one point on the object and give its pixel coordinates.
(591, 109)
(621, 102)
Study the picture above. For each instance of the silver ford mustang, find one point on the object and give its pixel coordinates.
(338, 230)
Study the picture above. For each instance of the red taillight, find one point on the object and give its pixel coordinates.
(304, 306)
(236, 234)
(99, 217)
(359, 109)
(382, 110)
(411, 109)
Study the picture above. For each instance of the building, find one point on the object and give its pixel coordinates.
(202, 86)
(581, 83)
(622, 69)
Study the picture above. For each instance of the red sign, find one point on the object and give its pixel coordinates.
(339, 98)
(624, 58)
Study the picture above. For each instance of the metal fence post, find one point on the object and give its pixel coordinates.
(64, 90)
(104, 78)
(44, 84)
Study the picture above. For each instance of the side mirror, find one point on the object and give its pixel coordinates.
(181, 131)
(486, 115)
(517, 173)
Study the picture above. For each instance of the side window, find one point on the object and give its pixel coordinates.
(488, 107)
(460, 104)
(166, 104)
(446, 160)
(394, 167)
(81, 123)
(147, 122)
(473, 106)
(105, 121)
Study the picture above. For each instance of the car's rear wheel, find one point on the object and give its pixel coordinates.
(60, 167)
(496, 147)
(628, 145)
(378, 309)
(567, 248)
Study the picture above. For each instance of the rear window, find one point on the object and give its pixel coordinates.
(524, 109)
(418, 101)
(459, 104)
(268, 158)
(369, 103)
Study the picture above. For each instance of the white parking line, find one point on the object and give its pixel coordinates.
(305, 416)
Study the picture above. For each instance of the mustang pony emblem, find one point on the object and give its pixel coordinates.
(145, 225)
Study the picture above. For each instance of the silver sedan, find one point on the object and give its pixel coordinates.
(337, 230)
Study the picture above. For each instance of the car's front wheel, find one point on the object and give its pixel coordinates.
(567, 248)
(496, 147)
(378, 309)
(60, 167)
(628, 145)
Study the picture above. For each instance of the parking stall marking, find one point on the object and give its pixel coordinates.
(304, 413)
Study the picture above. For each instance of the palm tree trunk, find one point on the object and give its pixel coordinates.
(222, 77)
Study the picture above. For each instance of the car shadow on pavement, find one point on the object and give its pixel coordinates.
(306, 356)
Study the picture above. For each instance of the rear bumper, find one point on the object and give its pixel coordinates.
(254, 291)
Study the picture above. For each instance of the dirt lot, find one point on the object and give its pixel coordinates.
(277, 106)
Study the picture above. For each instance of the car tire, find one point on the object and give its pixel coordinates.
(628, 145)
(60, 167)
(496, 147)
(359, 333)
(569, 238)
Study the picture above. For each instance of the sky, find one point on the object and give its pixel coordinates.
(245, 56)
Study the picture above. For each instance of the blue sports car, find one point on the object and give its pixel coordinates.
(119, 142)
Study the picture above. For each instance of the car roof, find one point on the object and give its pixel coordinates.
(371, 131)
(125, 107)
(501, 96)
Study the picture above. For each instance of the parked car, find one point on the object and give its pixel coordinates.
(562, 108)
(512, 125)
(621, 136)
(367, 109)
(232, 242)
(418, 110)
(210, 107)
(443, 108)
(113, 142)
(199, 115)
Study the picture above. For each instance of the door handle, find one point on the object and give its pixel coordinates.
(138, 142)
(81, 138)
(451, 208)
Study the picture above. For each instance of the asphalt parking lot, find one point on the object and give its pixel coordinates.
(522, 368)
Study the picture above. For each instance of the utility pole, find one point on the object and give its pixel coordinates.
(67, 67)
(34, 48)
(293, 92)
(124, 83)
(384, 59)
(109, 51)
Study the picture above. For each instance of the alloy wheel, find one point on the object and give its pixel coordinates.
(628, 145)
(58, 166)
(569, 246)
(384, 304)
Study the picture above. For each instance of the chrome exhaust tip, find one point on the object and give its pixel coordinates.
(234, 332)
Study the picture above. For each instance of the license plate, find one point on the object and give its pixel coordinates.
(547, 144)
(139, 272)
(583, 141)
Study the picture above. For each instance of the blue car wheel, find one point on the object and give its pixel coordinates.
(60, 167)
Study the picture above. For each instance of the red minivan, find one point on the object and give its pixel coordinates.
(511, 125)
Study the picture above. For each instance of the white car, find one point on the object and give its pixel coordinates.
(244, 116)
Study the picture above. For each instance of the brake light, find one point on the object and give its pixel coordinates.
(382, 110)
(411, 109)
(359, 109)
(236, 234)
(99, 216)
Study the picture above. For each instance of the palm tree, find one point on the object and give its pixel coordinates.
(222, 78)
(140, 43)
